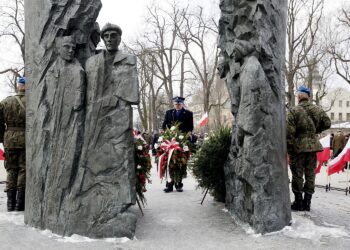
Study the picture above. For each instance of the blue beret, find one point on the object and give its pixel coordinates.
(304, 89)
(22, 80)
(178, 99)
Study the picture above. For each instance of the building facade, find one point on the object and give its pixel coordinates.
(337, 105)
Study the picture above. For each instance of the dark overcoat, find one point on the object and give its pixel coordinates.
(185, 119)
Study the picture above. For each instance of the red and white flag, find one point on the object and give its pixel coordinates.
(336, 165)
(324, 155)
(204, 120)
(1, 153)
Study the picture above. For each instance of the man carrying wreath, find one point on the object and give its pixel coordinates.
(183, 117)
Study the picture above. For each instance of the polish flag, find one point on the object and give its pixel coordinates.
(336, 165)
(324, 155)
(1, 153)
(204, 120)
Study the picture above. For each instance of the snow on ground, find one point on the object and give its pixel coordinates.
(303, 227)
(178, 221)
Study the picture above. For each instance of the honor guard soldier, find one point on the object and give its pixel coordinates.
(12, 135)
(184, 118)
(304, 122)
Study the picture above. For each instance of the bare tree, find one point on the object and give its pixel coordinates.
(198, 34)
(340, 49)
(301, 38)
(317, 70)
(150, 86)
(167, 54)
(177, 52)
(12, 26)
(218, 99)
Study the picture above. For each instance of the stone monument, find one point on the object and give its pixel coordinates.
(252, 42)
(80, 158)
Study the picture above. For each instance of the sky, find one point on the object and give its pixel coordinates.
(129, 15)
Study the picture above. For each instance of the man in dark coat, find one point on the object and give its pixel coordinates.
(180, 115)
(185, 119)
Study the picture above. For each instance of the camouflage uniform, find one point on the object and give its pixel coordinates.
(12, 135)
(304, 122)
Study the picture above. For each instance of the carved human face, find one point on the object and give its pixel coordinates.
(112, 40)
(67, 51)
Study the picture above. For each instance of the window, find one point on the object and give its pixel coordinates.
(340, 116)
(332, 116)
(340, 104)
(347, 104)
(348, 117)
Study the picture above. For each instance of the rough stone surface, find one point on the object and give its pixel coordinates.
(80, 169)
(252, 42)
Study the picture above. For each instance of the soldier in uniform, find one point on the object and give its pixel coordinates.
(12, 135)
(185, 118)
(304, 122)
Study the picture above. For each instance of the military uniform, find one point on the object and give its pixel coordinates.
(304, 122)
(12, 135)
(184, 118)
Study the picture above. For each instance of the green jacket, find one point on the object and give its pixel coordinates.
(12, 121)
(304, 122)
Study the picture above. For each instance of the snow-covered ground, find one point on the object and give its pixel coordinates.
(178, 221)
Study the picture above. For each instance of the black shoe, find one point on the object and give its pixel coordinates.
(169, 187)
(20, 200)
(11, 200)
(307, 201)
(179, 187)
(297, 205)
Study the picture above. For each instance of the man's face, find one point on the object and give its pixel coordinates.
(67, 51)
(302, 96)
(178, 105)
(21, 87)
(112, 40)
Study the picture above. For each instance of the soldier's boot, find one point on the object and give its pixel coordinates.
(307, 201)
(11, 200)
(179, 187)
(20, 200)
(297, 205)
(169, 187)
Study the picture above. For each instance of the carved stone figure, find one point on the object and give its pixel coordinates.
(64, 101)
(106, 178)
(252, 41)
(59, 129)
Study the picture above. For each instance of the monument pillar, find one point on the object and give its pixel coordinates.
(252, 42)
(63, 193)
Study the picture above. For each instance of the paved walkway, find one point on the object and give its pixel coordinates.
(178, 221)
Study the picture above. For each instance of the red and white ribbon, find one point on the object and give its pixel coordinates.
(168, 147)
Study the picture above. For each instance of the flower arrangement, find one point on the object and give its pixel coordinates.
(142, 167)
(173, 151)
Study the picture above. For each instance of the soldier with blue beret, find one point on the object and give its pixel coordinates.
(304, 122)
